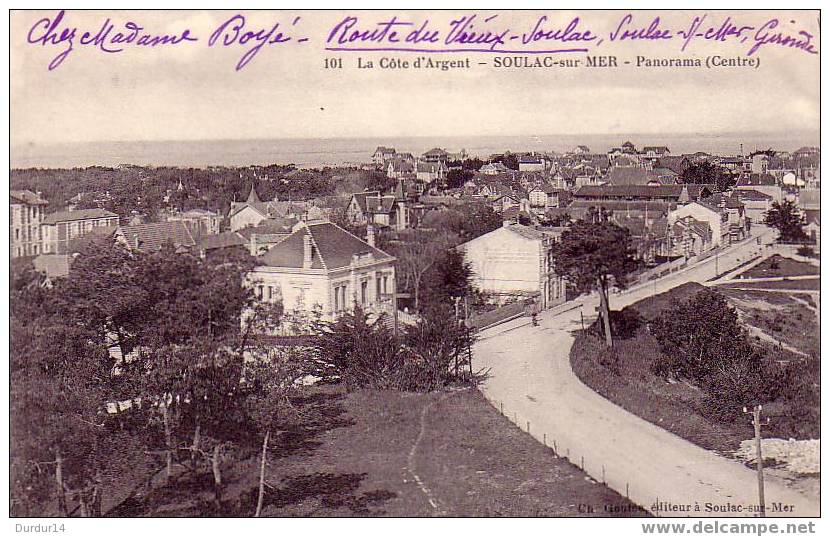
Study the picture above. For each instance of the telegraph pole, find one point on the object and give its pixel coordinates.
(759, 461)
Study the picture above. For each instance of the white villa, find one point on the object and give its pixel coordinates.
(322, 266)
(515, 260)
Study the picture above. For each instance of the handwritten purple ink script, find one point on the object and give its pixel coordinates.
(471, 33)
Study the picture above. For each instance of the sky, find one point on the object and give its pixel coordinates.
(192, 91)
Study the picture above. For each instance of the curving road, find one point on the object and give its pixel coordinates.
(532, 381)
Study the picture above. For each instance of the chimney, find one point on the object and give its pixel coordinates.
(252, 246)
(307, 251)
(370, 235)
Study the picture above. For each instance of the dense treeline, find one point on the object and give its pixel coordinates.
(143, 189)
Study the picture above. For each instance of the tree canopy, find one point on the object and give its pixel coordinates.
(786, 217)
(596, 255)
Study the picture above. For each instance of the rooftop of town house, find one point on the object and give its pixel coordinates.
(332, 248)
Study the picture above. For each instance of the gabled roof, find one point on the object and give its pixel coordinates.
(525, 232)
(154, 235)
(73, 216)
(26, 196)
(545, 187)
(333, 248)
(498, 166)
(238, 207)
(666, 171)
(676, 163)
(697, 227)
(655, 207)
(757, 179)
(78, 244)
(269, 226)
(629, 176)
(361, 197)
(222, 240)
(402, 166)
(196, 213)
(430, 167)
(752, 195)
(668, 192)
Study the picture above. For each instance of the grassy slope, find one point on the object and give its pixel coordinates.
(356, 462)
(777, 266)
(812, 284)
(784, 316)
(623, 376)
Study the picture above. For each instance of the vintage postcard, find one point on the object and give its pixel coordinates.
(416, 263)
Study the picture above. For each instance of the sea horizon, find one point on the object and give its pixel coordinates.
(319, 152)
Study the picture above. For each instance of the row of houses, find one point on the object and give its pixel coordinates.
(34, 232)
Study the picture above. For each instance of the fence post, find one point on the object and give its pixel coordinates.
(582, 463)
(528, 427)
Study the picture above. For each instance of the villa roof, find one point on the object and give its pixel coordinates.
(73, 216)
(28, 197)
(154, 235)
(333, 248)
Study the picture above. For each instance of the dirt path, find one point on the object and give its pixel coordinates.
(411, 461)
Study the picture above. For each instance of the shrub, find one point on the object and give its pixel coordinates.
(625, 323)
(696, 334)
(363, 352)
(805, 251)
(701, 340)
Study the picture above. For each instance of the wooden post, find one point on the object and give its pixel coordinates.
(168, 442)
(59, 483)
(261, 497)
(756, 421)
(605, 312)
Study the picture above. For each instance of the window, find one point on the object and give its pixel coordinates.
(385, 283)
(364, 286)
(378, 288)
(270, 293)
(336, 299)
(259, 291)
